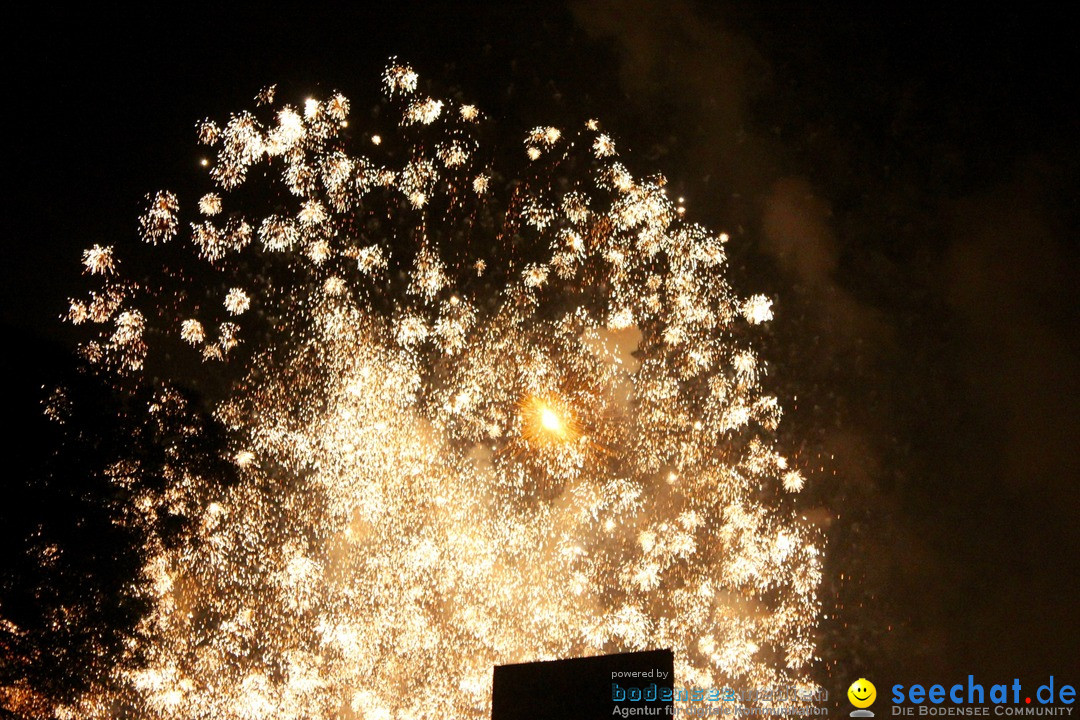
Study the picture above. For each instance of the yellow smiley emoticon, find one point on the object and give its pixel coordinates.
(862, 693)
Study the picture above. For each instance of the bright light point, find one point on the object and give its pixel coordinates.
(376, 139)
(204, 162)
(551, 421)
(545, 422)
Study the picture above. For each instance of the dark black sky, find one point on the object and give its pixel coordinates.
(903, 182)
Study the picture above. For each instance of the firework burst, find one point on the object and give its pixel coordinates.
(473, 423)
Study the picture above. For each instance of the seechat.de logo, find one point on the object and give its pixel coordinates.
(862, 694)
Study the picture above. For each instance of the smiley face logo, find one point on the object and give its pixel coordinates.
(862, 693)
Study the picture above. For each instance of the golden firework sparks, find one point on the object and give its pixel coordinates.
(473, 427)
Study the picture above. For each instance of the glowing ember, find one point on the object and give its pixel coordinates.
(551, 421)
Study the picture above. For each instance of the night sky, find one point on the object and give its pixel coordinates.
(903, 183)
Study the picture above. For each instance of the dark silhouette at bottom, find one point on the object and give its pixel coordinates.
(590, 687)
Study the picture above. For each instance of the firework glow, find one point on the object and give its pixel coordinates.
(477, 415)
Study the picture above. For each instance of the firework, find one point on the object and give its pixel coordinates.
(473, 423)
